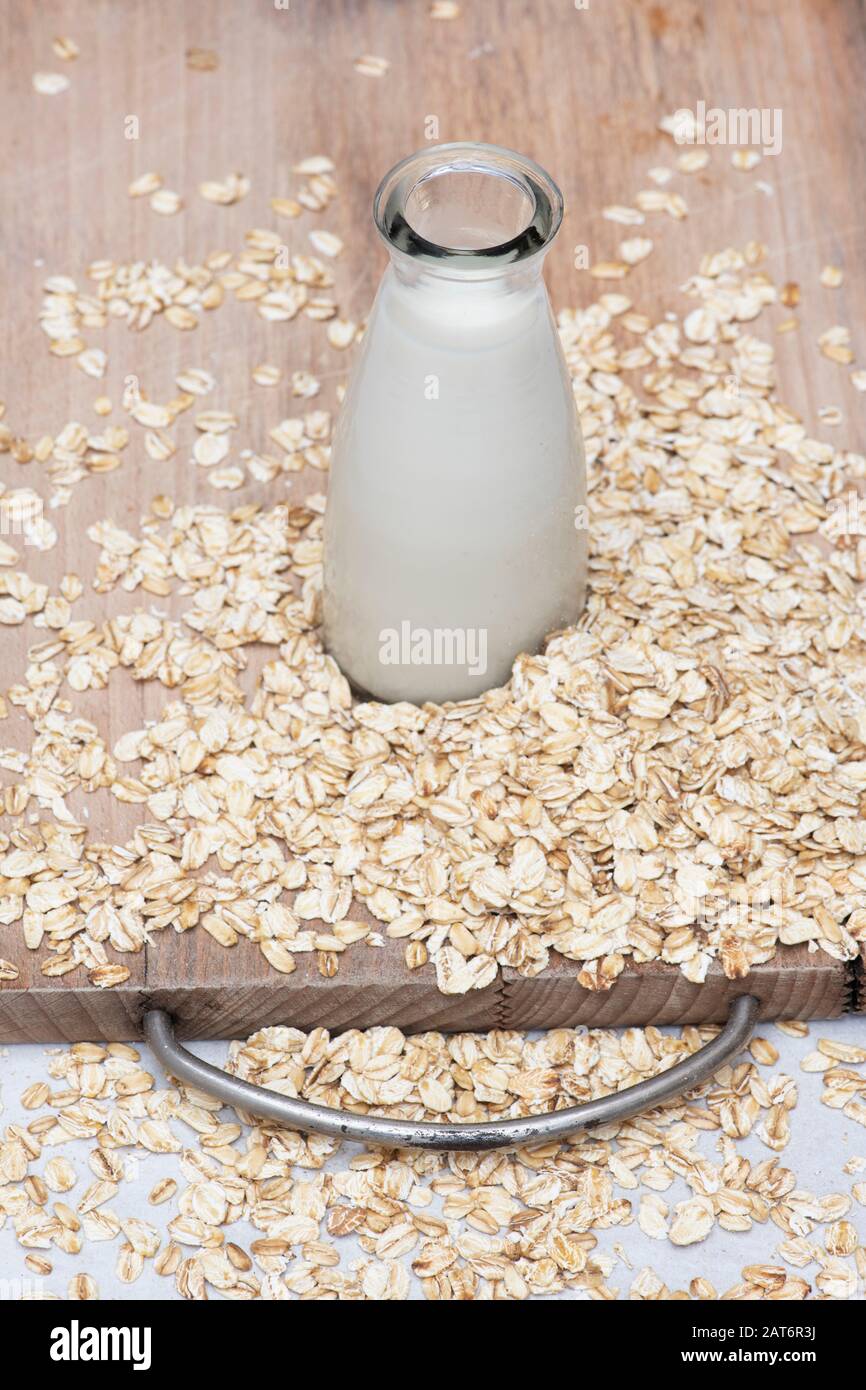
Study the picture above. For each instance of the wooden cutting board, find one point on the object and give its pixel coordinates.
(580, 89)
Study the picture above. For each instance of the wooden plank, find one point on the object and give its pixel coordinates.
(232, 993)
(794, 984)
(582, 91)
(57, 1012)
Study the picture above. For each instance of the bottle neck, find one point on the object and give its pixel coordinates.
(468, 212)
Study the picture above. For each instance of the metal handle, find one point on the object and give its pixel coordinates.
(419, 1134)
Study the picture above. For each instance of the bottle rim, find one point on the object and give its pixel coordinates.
(396, 188)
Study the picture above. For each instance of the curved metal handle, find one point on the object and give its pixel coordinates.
(418, 1134)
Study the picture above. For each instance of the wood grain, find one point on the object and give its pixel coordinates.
(794, 984)
(580, 90)
(219, 993)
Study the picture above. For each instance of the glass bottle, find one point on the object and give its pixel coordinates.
(454, 533)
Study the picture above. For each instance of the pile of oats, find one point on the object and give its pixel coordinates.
(281, 286)
(244, 1209)
(681, 778)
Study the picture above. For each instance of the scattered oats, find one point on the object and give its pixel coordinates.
(196, 381)
(692, 161)
(628, 217)
(109, 976)
(180, 317)
(65, 48)
(371, 66)
(609, 270)
(326, 243)
(278, 956)
(840, 1238)
(129, 1264)
(510, 1226)
(102, 405)
(202, 60)
(151, 414)
(93, 362)
(660, 175)
(859, 380)
(745, 159)
(286, 207)
(60, 1176)
(209, 449)
(653, 1217)
(830, 415)
(763, 1051)
(266, 374)
(159, 445)
(230, 190)
(162, 1191)
(83, 1288)
(834, 344)
(50, 84)
(316, 164)
(216, 421)
(693, 1221)
(416, 955)
(831, 277)
(701, 326)
(165, 202)
(229, 478)
(341, 333)
(444, 9)
(35, 1096)
(656, 200)
(636, 249)
(144, 185)
(837, 1280)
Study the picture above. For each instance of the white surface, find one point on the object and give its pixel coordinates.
(822, 1141)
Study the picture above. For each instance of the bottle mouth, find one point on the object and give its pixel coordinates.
(475, 206)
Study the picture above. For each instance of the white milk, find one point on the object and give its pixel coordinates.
(451, 542)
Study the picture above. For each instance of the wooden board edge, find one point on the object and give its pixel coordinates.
(226, 1011)
(214, 1012)
(70, 1015)
(794, 984)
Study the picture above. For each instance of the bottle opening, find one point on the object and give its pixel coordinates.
(474, 205)
(466, 209)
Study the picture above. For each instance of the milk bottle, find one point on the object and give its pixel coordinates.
(454, 534)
